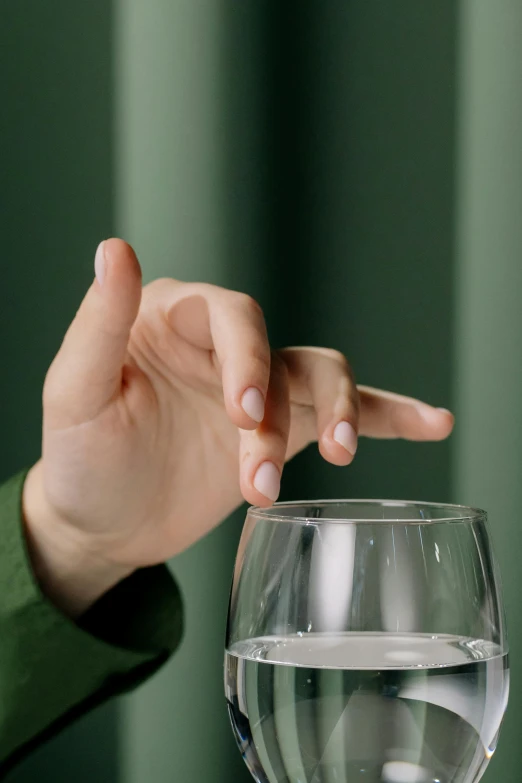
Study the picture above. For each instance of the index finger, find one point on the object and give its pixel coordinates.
(232, 327)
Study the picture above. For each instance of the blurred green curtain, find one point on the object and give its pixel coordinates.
(487, 378)
(56, 201)
(356, 167)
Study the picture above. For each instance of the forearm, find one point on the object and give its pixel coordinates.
(69, 573)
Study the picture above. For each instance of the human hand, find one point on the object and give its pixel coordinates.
(163, 409)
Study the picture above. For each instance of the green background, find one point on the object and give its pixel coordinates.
(354, 165)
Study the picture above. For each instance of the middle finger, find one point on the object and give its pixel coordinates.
(263, 451)
(323, 378)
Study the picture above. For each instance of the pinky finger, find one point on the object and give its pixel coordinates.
(387, 415)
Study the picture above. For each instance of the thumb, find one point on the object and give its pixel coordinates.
(86, 375)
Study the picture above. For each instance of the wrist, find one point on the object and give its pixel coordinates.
(70, 570)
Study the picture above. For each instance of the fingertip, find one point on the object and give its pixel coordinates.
(261, 485)
(338, 443)
(253, 404)
(100, 263)
(447, 422)
(267, 482)
(238, 417)
(344, 435)
(255, 499)
(120, 255)
(115, 245)
(118, 288)
(440, 422)
(245, 410)
(335, 453)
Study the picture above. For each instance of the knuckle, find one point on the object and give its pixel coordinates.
(338, 357)
(341, 360)
(250, 305)
(158, 287)
(259, 361)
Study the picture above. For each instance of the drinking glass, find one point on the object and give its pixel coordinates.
(366, 643)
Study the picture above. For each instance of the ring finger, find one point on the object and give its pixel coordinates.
(323, 378)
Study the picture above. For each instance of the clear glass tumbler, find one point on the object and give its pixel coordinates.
(366, 642)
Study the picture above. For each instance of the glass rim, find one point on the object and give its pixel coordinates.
(466, 514)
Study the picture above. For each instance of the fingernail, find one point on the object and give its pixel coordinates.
(428, 413)
(445, 410)
(253, 404)
(99, 263)
(345, 435)
(267, 480)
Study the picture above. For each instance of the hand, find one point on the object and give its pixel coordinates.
(163, 408)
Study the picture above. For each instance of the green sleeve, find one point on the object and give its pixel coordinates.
(53, 670)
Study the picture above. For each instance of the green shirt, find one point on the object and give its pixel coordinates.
(53, 670)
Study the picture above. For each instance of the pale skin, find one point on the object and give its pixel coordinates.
(165, 408)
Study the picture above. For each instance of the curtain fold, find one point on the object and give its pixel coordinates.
(303, 152)
(487, 376)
